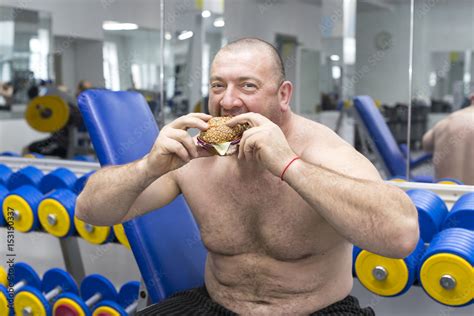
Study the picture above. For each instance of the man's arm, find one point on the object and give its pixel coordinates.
(116, 194)
(119, 193)
(428, 141)
(366, 211)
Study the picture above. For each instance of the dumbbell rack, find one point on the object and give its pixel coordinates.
(450, 193)
(69, 246)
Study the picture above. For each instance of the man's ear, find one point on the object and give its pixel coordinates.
(284, 95)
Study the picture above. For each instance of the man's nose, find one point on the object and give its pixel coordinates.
(231, 99)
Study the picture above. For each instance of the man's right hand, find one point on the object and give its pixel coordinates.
(174, 147)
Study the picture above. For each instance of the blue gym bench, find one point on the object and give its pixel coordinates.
(166, 243)
(373, 129)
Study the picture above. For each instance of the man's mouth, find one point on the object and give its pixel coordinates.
(233, 113)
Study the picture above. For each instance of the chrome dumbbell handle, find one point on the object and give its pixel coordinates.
(380, 273)
(53, 293)
(447, 282)
(93, 299)
(19, 285)
(131, 308)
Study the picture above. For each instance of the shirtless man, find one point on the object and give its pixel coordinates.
(276, 247)
(452, 142)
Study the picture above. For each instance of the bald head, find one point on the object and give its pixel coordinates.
(250, 43)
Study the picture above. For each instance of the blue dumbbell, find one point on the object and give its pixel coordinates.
(3, 193)
(355, 252)
(23, 275)
(10, 154)
(56, 212)
(431, 212)
(387, 276)
(21, 206)
(81, 182)
(462, 213)
(60, 178)
(25, 176)
(126, 304)
(87, 158)
(446, 268)
(31, 301)
(5, 173)
(94, 288)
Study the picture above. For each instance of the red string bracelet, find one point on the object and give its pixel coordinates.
(287, 166)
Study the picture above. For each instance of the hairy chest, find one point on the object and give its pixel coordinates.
(245, 210)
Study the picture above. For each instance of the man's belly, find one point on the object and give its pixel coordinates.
(259, 285)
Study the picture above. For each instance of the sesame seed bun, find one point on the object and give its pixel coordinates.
(219, 133)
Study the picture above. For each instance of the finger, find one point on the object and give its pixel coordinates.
(245, 136)
(175, 147)
(244, 143)
(189, 121)
(249, 148)
(202, 116)
(184, 138)
(254, 119)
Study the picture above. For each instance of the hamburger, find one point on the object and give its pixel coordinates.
(220, 138)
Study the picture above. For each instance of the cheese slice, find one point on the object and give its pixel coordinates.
(222, 148)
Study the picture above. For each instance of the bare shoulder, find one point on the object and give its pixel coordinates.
(195, 169)
(323, 147)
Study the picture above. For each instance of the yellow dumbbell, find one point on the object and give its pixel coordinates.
(387, 276)
(3, 277)
(93, 234)
(119, 232)
(447, 267)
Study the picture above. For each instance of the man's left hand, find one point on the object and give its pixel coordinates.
(264, 142)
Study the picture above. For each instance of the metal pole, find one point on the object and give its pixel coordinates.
(161, 105)
(410, 88)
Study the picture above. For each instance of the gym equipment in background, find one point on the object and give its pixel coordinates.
(5, 173)
(446, 269)
(166, 244)
(33, 301)
(387, 276)
(47, 114)
(23, 275)
(431, 212)
(56, 212)
(126, 304)
(29, 175)
(375, 132)
(22, 204)
(94, 288)
(462, 213)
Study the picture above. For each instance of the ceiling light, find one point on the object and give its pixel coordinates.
(219, 22)
(185, 35)
(116, 26)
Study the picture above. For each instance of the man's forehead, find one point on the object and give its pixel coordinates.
(251, 58)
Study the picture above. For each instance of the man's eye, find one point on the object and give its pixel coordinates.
(217, 85)
(249, 85)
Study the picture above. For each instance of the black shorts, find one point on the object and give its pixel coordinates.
(198, 302)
